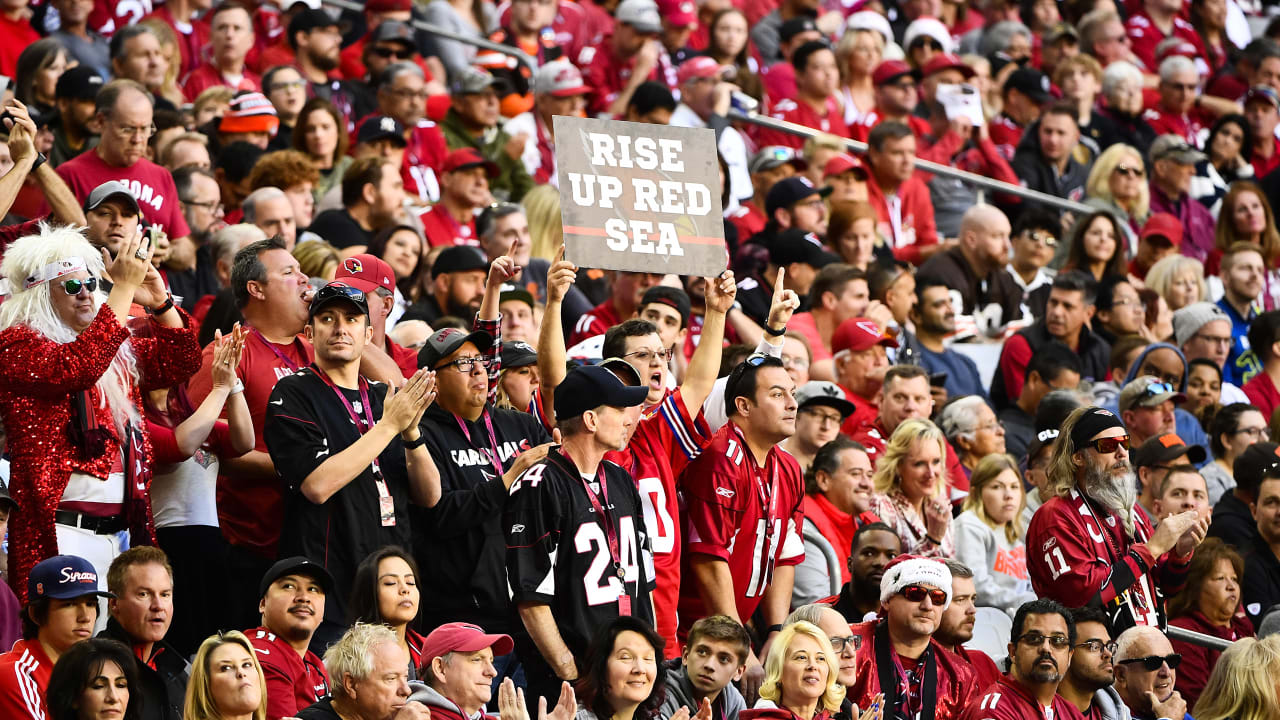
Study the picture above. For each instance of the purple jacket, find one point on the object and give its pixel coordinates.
(1197, 223)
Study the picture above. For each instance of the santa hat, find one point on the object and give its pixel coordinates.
(908, 570)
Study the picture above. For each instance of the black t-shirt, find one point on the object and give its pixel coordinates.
(305, 425)
(460, 543)
(557, 549)
(339, 229)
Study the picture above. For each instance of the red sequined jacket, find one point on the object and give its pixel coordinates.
(38, 379)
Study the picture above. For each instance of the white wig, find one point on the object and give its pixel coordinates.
(33, 308)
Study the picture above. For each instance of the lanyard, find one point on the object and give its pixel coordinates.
(767, 496)
(287, 361)
(492, 450)
(610, 533)
(895, 683)
(386, 504)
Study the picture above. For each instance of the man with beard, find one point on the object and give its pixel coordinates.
(874, 546)
(1040, 652)
(457, 286)
(934, 317)
(1146, 670)
(402, 89)
(111, 216)
(201, 204)
(990, 299)
(464, 191)
(372, 198)
(958, 620)
(1089, 544)
(914, 593)
(76, 129)
(1089, 681)
(1244, 276)
(292, 603)
(316, 40)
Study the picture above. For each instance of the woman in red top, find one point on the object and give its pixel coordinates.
(385, 592)
(1209, 604)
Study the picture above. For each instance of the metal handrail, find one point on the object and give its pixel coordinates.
(931, 167)
(1196, 638)
(521, 56)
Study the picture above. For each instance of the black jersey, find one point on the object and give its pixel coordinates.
(558, 552)
(305, 425)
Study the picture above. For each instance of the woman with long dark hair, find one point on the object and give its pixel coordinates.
(92, 681)
(622, 679)
(321, 134)
(729, 43)
(1230, 158)
(385, 592)
(1097, 246)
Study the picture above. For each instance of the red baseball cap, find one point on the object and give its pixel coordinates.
(858, 334)
(1163, 225)
(464, 158)
(680, 13)
(463, 637)
(842, 163)
(367, 272)
(388, 5)
(947, 61)
(700, 67)
(890, 70)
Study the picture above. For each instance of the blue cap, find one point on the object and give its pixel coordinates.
(63, 577)
(590, 386)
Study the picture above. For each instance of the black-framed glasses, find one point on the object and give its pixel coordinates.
(646, 357)
(1109, 445)
(840, 643)
(212, 206)
(1152, 663)
(73, 286)
(1035, 639)
(1098, 646)
(466, 365)
(917, 593)
(1257, 434)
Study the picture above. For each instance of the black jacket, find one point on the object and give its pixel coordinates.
(164, 687)
(978, 295)
(1036, 174)
(1260, 586)
(1233, 523)
(1094, 354)
(460, 543)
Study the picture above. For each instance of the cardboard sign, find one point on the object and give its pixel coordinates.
(644, 198)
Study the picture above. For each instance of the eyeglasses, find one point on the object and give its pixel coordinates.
(647, 357)
(917, 593)
(128, 131)
(386, 52)
(1109, 445)
(1152, 663)
(794, 363)
(1098, 646)
(822, 417)
(466, 365)
(1043, 238)
(817, 202)
(1127, 171)
(1213, 339)
(288, 85)
(1035, 639)
(73, 286)
(212, 206)
(840, 643)
(1259, 434)
(992, 426)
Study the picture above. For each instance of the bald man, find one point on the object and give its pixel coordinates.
(974, 266)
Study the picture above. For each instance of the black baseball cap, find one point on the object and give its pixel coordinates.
(515, 292)
(674, 298)
(447, 341)
(517, 353)
(296, 565)
(1258, 461)
(338, 291)
(394, 31)
(590, 386)
(78, 83)
(459, 258)
(1030, 82)
(795, 26)
(789, 191)
(794, 245)
(310, 19)
(1164, 448)
(381, 127)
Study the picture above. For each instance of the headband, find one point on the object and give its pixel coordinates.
(1092, 422)
(55, 270)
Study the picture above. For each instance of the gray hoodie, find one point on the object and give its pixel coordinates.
(680, 694)
(441, 706)
(1110, 706)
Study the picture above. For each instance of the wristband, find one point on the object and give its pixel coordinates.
(935, 542)
(237, 388)
(774, 333)
(772, 629)
(414, 444)
(164, 307)
(40, 160)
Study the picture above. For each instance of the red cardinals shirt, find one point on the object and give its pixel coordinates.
(1188, 126)
(206, 76)
(606, 74)
(440, 228)
(1008, 699)
(151, 184)
(749, 219)
(666, 440)
(597, 322)
(293, 682)
(1144, 36)
(24, 676)
(1006, 134)
(747, 515)
(426, 151)
(802, 113)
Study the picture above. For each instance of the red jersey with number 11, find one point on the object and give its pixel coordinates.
(744, 514)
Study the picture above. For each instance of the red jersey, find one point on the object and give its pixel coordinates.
(984, 668)
(1144, 36)
(107, 15)
(727, 494)
(193, 36)
(606, 74)
(440, 228)
(425, 153)
(802, 113)
(749, 219)
(1262, 166)
(779, 80)
(24, 677)
(1008, 699)
(905, 218)
(251, 512)
(953, 691)
(862, 129)
(665, 441)
(151, 184)
(1079, 553)
(206, 76)
(1188, 126)
(597, 322)
(15, 36)
(405, 358)
(293, 682)
(1262, 393)
(1006, 134)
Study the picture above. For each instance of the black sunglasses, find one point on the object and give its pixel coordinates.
(73, 286)
(1152, 663)
(385, 53)
(338, 290)
(931, 43)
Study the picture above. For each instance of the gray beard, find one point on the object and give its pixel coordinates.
(1116, 494)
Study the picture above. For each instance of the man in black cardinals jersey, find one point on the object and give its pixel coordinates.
(577, 552)
(348, 450)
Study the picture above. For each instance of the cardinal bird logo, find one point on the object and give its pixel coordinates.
(353, 265)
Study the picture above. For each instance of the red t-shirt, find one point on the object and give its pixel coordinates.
(440, 228)
(597, 322)
(1144, 36)
(425, 153)
(748, 219)
(1262, 393)
(804, 324)
(1262, 167)
(665, 441)
(249, 511)
(24, 676)
(802, 113)
(405, 358)
(606, 74)
(1189, 126)
(206, 76)
(15, 36)
(151, 184)
(732, 514)
(293, 682)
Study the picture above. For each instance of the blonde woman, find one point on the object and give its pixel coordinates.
(542, 210)
(226, 681)
(1118, 182)
(1179, 280)
(911, 489)
(989, 534)
(800, 677)
(317, 259)
(1243, 683)
(858, 53)
(173, 59)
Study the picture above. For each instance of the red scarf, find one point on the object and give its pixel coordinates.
(834, 525)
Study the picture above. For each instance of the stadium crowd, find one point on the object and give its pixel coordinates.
(307, 415)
